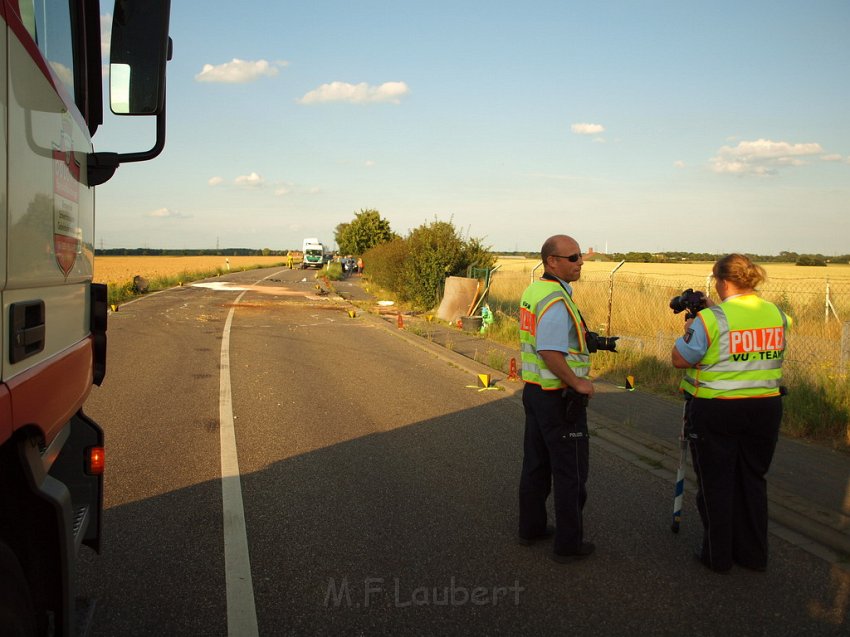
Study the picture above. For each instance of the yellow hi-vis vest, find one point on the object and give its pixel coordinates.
(537, 298)
(746, 337)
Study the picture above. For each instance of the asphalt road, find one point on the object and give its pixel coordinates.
(379, 494)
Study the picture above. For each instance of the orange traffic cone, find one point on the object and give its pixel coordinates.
(512, 375)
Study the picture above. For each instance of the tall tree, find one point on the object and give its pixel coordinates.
(339, 233)
(367, 230)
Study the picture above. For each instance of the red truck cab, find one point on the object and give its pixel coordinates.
(53, 321)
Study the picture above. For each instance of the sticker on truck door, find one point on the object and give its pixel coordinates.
(66, 202)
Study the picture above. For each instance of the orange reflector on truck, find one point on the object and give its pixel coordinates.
(95, 460)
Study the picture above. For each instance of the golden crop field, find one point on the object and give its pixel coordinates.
(634, 303)
(119, 270)
(833, 272)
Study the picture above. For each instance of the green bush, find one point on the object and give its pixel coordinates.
(811, 260)
(415, 268)
(383, 264)
(331, 271)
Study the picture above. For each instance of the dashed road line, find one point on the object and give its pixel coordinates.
(241, 608)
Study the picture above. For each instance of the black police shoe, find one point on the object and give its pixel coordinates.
(586, 549)
(697, 553)
(528, 541)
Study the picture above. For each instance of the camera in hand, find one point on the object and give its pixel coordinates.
(688, 300)
(596, 342)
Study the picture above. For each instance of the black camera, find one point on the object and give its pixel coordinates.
(596, 342)
(688, 300)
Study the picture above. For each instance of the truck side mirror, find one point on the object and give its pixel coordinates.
(140, 50)
(138, 54)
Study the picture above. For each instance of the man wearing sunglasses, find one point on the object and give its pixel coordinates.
(555, 366)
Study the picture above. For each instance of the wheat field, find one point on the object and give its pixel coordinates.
(836, 272)
(119, 270)
(634, 302)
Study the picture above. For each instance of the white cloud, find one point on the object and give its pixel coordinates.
(250, 181)
(679, 164)
(215, 181)
(587, 129)
(239, 71)
(166, 213)
(369, 163)
(832, 157)
(762, 157)
(357, 93)
(105, 34)
(65, 75)
(281, 191)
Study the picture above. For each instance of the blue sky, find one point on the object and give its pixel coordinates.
(631, 125)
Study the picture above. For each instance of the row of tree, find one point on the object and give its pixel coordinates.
(782, 257)
(164, 252)
(673, 257)
(413, 268)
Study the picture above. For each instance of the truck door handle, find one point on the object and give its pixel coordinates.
(27, 330)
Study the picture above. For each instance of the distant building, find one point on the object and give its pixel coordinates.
(591, 255)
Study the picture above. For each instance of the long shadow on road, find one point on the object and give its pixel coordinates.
(411, 531)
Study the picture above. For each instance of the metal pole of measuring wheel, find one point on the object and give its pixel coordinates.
(679, 493)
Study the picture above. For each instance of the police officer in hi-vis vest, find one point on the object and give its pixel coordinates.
(732, 354)
(555, 365)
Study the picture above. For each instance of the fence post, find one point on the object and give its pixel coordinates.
(533, 270)
(826, 304)
(611, 296)
(844, 361)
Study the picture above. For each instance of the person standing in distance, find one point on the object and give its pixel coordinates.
(555, 366)
(732, 354)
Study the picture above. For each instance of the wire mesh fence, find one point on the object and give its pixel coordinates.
(636, 307)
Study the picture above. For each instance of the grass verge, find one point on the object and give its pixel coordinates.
(816, 408)
(118, 293)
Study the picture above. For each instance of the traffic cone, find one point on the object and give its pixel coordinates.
(400, 321)
(512, 375)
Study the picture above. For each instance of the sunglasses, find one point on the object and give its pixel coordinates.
(572, 258)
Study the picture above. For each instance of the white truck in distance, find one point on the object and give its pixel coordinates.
(314, 254)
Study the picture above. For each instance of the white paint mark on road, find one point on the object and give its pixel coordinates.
(241, 609)
(229, 286)
(221, 286)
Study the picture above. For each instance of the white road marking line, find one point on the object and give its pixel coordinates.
(241, 609)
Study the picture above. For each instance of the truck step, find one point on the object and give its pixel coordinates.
(81, 522)
(83, 615)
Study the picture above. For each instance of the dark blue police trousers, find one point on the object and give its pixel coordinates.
(732, 445)
(556, 453)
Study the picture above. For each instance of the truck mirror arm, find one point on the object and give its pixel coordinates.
(102, 165)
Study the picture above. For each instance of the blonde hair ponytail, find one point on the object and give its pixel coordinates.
(740, 270)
